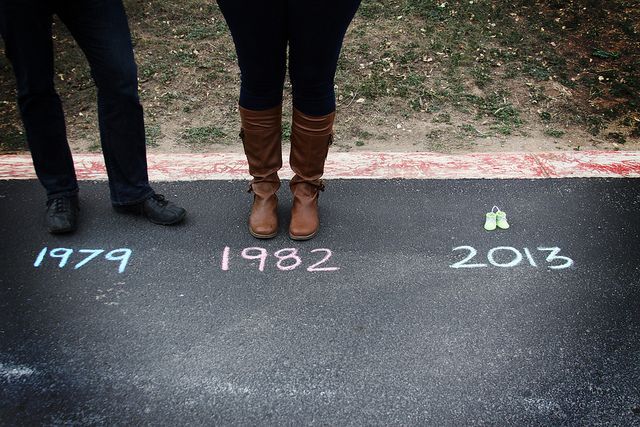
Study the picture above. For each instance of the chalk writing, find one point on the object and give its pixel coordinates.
(292, 254)
(532, 261)
(514, 259)
(316, 266)
(124, 256)
(40, 257)
(286, 259)
(65, 255)
(94, 253)
(225, 259)
(262, 256)
(463, 263)
(553, 256)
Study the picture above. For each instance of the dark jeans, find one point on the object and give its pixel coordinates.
(100, 27)
(314, 31)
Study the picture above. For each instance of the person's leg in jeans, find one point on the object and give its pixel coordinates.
(102, 32)
(316, 31)
(259, 30)
(25, 26)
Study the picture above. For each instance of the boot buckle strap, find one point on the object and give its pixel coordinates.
(275, 181)
(318, 184)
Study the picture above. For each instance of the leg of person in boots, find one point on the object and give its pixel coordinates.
(259, 34)
(311, 137)
(316, 32)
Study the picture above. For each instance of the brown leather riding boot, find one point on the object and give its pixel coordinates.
(261, 137)
(310, 140)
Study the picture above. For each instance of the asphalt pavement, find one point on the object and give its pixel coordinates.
(403, 310)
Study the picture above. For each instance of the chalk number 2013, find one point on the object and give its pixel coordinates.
(512, 257)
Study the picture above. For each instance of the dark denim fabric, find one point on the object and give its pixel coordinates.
(100, 27)
(313, 30)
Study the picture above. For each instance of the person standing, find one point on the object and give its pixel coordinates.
(314, 31)
(101, 30)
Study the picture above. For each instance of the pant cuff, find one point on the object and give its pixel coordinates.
(66, 193)
(134, 202)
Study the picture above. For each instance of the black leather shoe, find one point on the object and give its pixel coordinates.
(156, 209)
(62, 214)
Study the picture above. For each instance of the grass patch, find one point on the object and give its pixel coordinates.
(286, 131)
(13, 141)
(554, 133)
(617, 137)
(95, 147)
(545, 116)
(361, 134)
(153, 133)
(498, 63)
(471, 131)
(204, 135)
(442, 118)
(156, 69)
(497, 106)
(199, 31)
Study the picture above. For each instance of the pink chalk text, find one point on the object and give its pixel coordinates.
(286, 259)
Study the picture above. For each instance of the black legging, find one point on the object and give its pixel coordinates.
(314, 30)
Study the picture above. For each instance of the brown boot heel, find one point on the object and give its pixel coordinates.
(305, 221)
(263, 220)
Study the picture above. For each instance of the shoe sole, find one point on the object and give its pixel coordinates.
(63, 230)
(263, 236)
(302, 238)
(124, 211)
(176, 221)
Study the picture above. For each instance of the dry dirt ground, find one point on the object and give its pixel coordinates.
(415, 75)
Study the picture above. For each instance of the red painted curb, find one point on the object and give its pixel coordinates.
(363, 165)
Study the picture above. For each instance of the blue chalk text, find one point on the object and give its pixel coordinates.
(83, 256)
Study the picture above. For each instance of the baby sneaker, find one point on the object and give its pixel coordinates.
(490, 221)
(501, 220)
